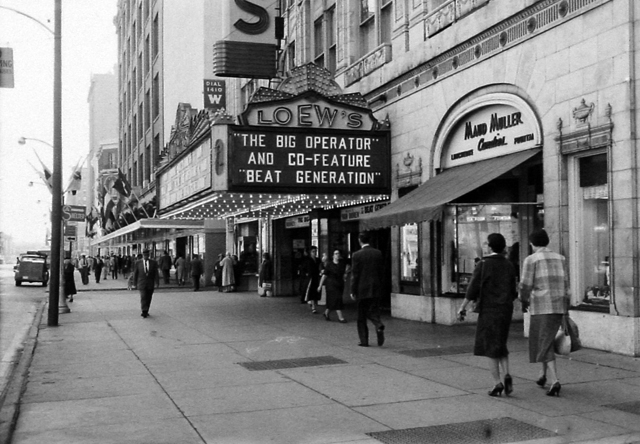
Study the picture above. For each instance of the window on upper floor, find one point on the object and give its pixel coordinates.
(156, 36)
(376, 21)
(324, 40)
(291, 55)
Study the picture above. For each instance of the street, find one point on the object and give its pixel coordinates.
(18, 307)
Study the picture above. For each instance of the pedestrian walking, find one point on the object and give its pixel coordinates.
(114, 267)
(196, 271)
(180, 269)
(146, 278)
(69, 283)
(333, 276)
(228, 276)
(544, 291)
(165, 265)
(311, 272)
(367, 272)
(217, 272)
(98, 264)
(105, 267)
(265, 276)
(493, 289)
(83, 267)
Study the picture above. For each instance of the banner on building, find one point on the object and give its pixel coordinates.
(215, 94)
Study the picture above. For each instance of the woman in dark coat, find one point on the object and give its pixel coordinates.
(266, 273)
(69, 280)
(311, 273)
(333, 280)
(493, 287)
(217, 272)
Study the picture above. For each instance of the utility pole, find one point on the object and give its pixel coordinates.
(56, 194)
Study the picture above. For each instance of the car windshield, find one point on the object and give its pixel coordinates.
(35, 260)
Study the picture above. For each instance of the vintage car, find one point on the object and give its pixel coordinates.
(33, 266)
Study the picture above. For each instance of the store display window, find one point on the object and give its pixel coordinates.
(465, 232)
(590, 271)
(409, 256)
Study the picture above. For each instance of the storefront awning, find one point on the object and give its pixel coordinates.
(151, 223)
(425, 202)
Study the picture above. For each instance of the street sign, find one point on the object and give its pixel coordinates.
(73, 213)
(6, 67)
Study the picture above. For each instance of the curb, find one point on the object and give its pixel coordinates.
(10, 400)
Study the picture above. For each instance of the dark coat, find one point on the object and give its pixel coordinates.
(69, 280)
(493, 282)
(146, 281)
(266, 271)
(367, 273)
(196, 267)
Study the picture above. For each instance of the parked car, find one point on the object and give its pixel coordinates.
(32, 267)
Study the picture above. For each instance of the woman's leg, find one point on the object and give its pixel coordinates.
(340, 317)
(504, 365)
(494, 368)
(553, 371)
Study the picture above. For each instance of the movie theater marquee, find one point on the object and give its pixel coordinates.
(311, 147)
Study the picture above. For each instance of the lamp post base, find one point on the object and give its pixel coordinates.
(62, 304)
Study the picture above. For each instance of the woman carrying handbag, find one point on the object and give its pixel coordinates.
(493, 288)
(544, 290)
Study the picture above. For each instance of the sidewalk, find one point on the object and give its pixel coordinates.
(210, 367)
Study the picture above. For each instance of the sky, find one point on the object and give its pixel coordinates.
(89, 46)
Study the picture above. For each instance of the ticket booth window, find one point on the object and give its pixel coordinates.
(590, 271)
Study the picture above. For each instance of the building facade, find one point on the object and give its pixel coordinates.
(502, 117)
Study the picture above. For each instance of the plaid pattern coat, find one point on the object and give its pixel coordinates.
(544, 283)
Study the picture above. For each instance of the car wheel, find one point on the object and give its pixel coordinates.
(44, 284)
(18, 283)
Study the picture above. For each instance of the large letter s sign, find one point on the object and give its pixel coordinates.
(252, 28)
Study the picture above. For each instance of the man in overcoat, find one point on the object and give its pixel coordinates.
(367, 273)
(145, 278)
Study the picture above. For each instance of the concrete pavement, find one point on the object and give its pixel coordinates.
(210, 367)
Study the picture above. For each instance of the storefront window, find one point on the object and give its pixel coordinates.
(591, 271)
(465, 232)
(409, 255)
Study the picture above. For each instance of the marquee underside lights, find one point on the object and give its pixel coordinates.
(275, 206)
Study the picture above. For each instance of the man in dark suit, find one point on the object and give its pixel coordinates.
(367, 272)
(196, 271)
(146, 278)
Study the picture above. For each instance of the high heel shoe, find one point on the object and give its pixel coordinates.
(542, 381)
(555, 389)
(326, 316)
(508, 384)
(497, 390)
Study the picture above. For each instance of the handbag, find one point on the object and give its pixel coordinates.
(567, 339)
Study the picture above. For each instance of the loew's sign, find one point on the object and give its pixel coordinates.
(309, 161)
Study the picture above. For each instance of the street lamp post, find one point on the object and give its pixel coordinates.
(56, 194)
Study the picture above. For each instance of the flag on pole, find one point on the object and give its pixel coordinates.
(46, 175)
(75, 182)
(122, 185)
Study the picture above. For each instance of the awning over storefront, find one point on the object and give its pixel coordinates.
(164, 224)
(425, 203)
